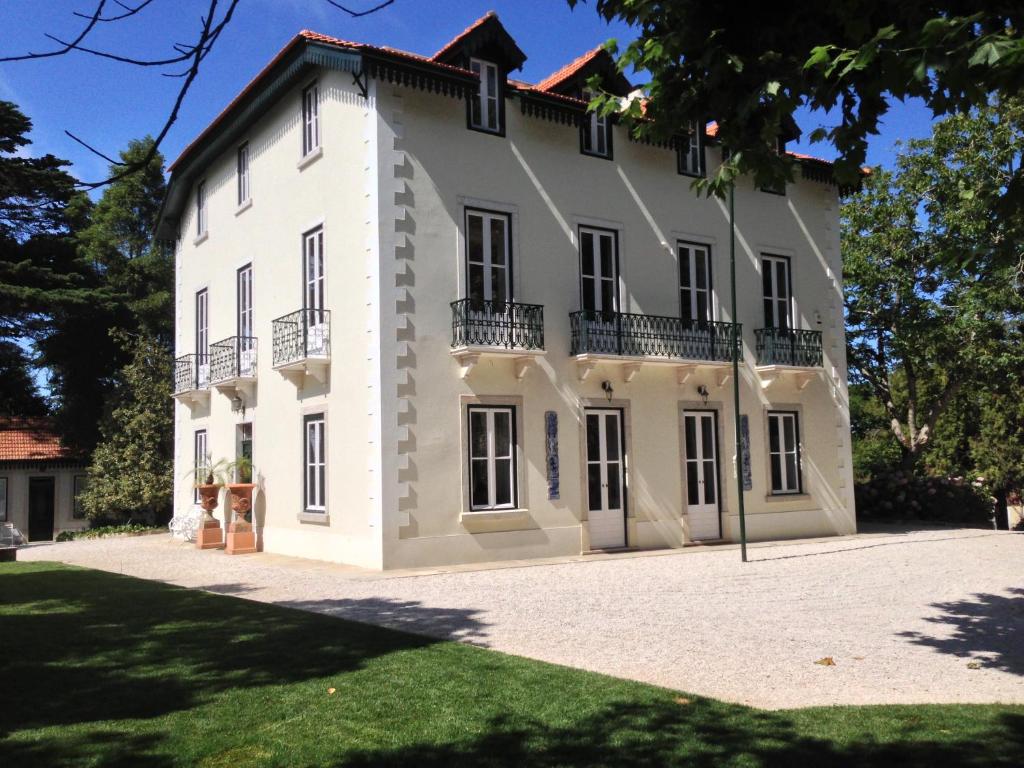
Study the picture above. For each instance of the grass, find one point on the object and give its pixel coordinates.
(99, 669)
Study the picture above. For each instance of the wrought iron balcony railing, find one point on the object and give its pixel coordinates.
(233, 358)
(478, 322)
(302, 335)
(788, 346)
(621, 333)
(191, 373)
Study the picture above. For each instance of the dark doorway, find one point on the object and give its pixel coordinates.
(40, 508)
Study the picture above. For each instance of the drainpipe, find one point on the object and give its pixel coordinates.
(736, 372)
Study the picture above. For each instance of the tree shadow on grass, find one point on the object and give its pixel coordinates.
(404, 615)
(701, 735)
(986, 628)
(83, 646)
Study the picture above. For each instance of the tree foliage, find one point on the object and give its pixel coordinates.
(131, 474)
(932, 311)
(751, 69)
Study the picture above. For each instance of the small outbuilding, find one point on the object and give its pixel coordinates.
(40, 479)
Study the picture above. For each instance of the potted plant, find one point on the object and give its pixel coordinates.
(241, 490)
(210, 478)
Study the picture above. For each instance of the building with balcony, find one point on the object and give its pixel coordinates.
(498, 326)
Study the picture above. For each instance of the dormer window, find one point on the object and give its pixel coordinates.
(485, 107)
(595, 133)
(690, 155)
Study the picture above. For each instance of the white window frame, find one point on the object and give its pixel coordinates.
(314, 494)
(79, 484)
(310, 118)
(688, 273)
(491, 458)
(200, 453)
(690, 160)
(596, 128)
(485, 97)
(3, 499)
(776, 424)
(246, 310)
(314, 281)
(242, 168)
(597, 274)
(486, 263)
(770, 293)
(201, 209)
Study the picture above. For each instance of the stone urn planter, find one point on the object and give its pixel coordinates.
(209, 497)
(241, 536)
(210, 535)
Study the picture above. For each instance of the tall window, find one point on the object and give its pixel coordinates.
(492, 444)
(784, 451)
(775, 284)
(200, 457)
(243, 174)
(488, 257)
(595, 133)
(81, 483)
(598, 270)
(690, 156)
(201, 208)
(485, 107)
(310, 119)
(246, 332)
(315, 463)
(3, 499)
(694, 282)
(313, 260)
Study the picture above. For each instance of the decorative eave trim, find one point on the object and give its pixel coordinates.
(424, 77)
(40, 464)
(549, 107)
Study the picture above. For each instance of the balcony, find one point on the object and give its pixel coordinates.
(633, 340)
(302, 345)
(784, 351)
(192, 378)
(233, 365)
(489, 329)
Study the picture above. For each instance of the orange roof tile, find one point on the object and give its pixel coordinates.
(24, 439)
(570, 69)
(455, 40)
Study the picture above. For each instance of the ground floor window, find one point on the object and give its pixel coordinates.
(199, 460)
(81, 483)
(315, 440)
(784, 451)
(492, 445)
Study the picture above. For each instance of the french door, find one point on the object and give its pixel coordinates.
(599, 270)
(246, 334)
(314, 321)
(606, 507)
(775, 281)
(694, 282)
(700, 461)
(202, 338)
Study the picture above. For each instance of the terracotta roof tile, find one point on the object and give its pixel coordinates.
(30, 440)
(570, 69)
(455, 40)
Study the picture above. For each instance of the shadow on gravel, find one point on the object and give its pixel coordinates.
(986, 628)
(405, 615)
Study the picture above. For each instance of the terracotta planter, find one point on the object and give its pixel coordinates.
(241, 499)
(209, 495)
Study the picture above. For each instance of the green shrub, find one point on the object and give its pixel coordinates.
(128, 529)
(900, 496)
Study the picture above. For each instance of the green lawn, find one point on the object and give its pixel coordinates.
(99, 669)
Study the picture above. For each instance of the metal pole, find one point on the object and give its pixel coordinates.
(736, 373)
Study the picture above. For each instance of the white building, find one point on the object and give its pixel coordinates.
(455, 318)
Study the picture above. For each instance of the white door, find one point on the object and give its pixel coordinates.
(701, 471)
(606, 511)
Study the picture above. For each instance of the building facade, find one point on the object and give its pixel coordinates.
(452, 317)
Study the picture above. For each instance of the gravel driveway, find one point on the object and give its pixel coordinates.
(927, 616)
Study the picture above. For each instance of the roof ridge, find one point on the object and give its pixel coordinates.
(571, 68)
(451, 43)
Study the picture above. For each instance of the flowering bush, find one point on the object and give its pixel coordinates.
(900, 496)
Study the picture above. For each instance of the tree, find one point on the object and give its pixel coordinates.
(931, 310)
(131, 474)
(751, 70)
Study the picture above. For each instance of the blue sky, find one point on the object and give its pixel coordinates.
(107, 103)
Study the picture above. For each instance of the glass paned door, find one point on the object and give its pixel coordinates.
(694, 282)
(314, 298)
(246, 334)
(606, 510)
(487, 257)
(700, 460)
(599, 280)
(202, 339)
(777, 300)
